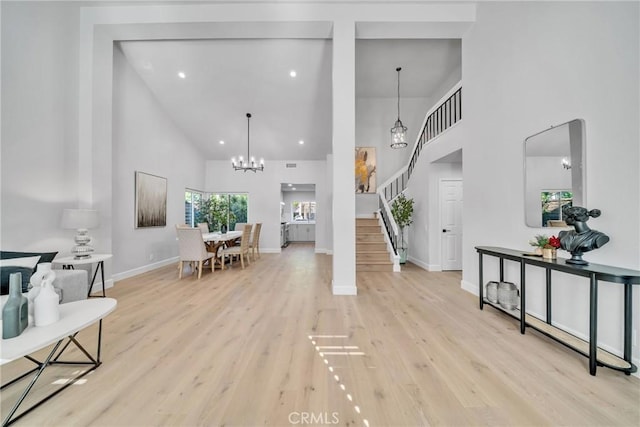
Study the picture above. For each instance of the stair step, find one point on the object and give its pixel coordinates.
(371, 246)
(371, 256)
(368, 229)
(369, 237)
(367, 221)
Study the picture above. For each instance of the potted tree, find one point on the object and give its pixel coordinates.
(402, 210)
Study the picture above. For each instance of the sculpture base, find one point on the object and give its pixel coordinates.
(576, 259)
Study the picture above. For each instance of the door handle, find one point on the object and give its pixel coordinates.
(444, 230)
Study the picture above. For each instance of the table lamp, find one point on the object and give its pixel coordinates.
(81, 220)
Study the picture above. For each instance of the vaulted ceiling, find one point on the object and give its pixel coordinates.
(223, 79)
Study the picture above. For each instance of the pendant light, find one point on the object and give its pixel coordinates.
(250, 163)
(398, 131)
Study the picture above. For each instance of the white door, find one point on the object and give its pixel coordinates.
(451, 223)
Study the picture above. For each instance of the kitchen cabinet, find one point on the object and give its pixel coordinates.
(302, 232)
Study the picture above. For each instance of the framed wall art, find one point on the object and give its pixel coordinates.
(365, 169)
(151, 200)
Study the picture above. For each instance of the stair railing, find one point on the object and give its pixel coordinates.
(442, 116)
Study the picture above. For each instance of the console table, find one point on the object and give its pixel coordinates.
(594, 272)
(74, 316)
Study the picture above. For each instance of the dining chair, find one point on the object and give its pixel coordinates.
(204, 227)
(242, 249)
(192, 249)
(255, 240)
(238, 227)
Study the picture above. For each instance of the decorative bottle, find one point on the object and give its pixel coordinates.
(15, 313)
(43, 271)
(223, 229)
(46, 309)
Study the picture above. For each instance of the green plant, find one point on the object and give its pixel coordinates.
(215, 211)
(539, 240)
(402, 211)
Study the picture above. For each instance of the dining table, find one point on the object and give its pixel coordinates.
(216, 240)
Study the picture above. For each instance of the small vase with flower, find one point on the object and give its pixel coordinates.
(550, 249)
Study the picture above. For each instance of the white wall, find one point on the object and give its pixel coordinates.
(374, 119)
(527, 66)
(424, 235)
(264, 193)
(145, 139)
(39, 125)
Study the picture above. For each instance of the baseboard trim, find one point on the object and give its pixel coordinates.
(144, 269)
(422, 265)
(472, 288)
(343, 290)
(321, 251)
(270, 250)
(434, 267)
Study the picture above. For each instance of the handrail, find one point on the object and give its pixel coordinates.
(430, 124)
(444, 114)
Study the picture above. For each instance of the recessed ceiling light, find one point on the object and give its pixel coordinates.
(289, 185)
(293, 73)
(293, 188)
(182, 75)
(301, 142)
(221, 142)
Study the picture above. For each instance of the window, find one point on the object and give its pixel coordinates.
(192, 205)
(217, 209)
(552, 204)
(303, 211)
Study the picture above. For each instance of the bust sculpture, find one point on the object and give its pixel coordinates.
(582, 238)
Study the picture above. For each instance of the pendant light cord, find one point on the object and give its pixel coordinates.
(248, 118)
(398, 70)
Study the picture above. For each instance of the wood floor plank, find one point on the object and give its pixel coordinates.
(233, 348)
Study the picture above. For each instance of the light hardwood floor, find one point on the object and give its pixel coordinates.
(411, 349)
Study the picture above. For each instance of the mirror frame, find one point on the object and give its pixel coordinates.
(577, 150)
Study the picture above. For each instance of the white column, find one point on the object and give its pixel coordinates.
(344, 133)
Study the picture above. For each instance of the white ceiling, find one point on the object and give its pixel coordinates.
(227, 78)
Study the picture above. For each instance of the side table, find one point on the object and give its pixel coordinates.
(70, 262)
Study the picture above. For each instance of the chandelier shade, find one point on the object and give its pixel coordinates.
(398, 131)
(248, 164)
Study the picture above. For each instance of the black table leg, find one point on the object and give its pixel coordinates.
(628, 316)
(593, 325)
(523, 304)
(99, 266)
(548, 296)
(480, 286)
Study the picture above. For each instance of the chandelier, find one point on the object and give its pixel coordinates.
(398, 131)
(250, 163)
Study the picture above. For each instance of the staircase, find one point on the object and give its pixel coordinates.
(371, 248)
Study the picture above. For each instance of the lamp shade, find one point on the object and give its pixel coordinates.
(79, 218)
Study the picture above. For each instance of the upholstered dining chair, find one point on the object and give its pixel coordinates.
(204, 227)
(255, 240)
(238, 227)
(192, 249)
(242, 249)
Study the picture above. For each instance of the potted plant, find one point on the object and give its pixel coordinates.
(402, 210)
(539, 241)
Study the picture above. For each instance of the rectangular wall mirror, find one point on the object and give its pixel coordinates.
(554, 173)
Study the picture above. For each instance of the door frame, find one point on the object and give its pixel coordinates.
(440, 245)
